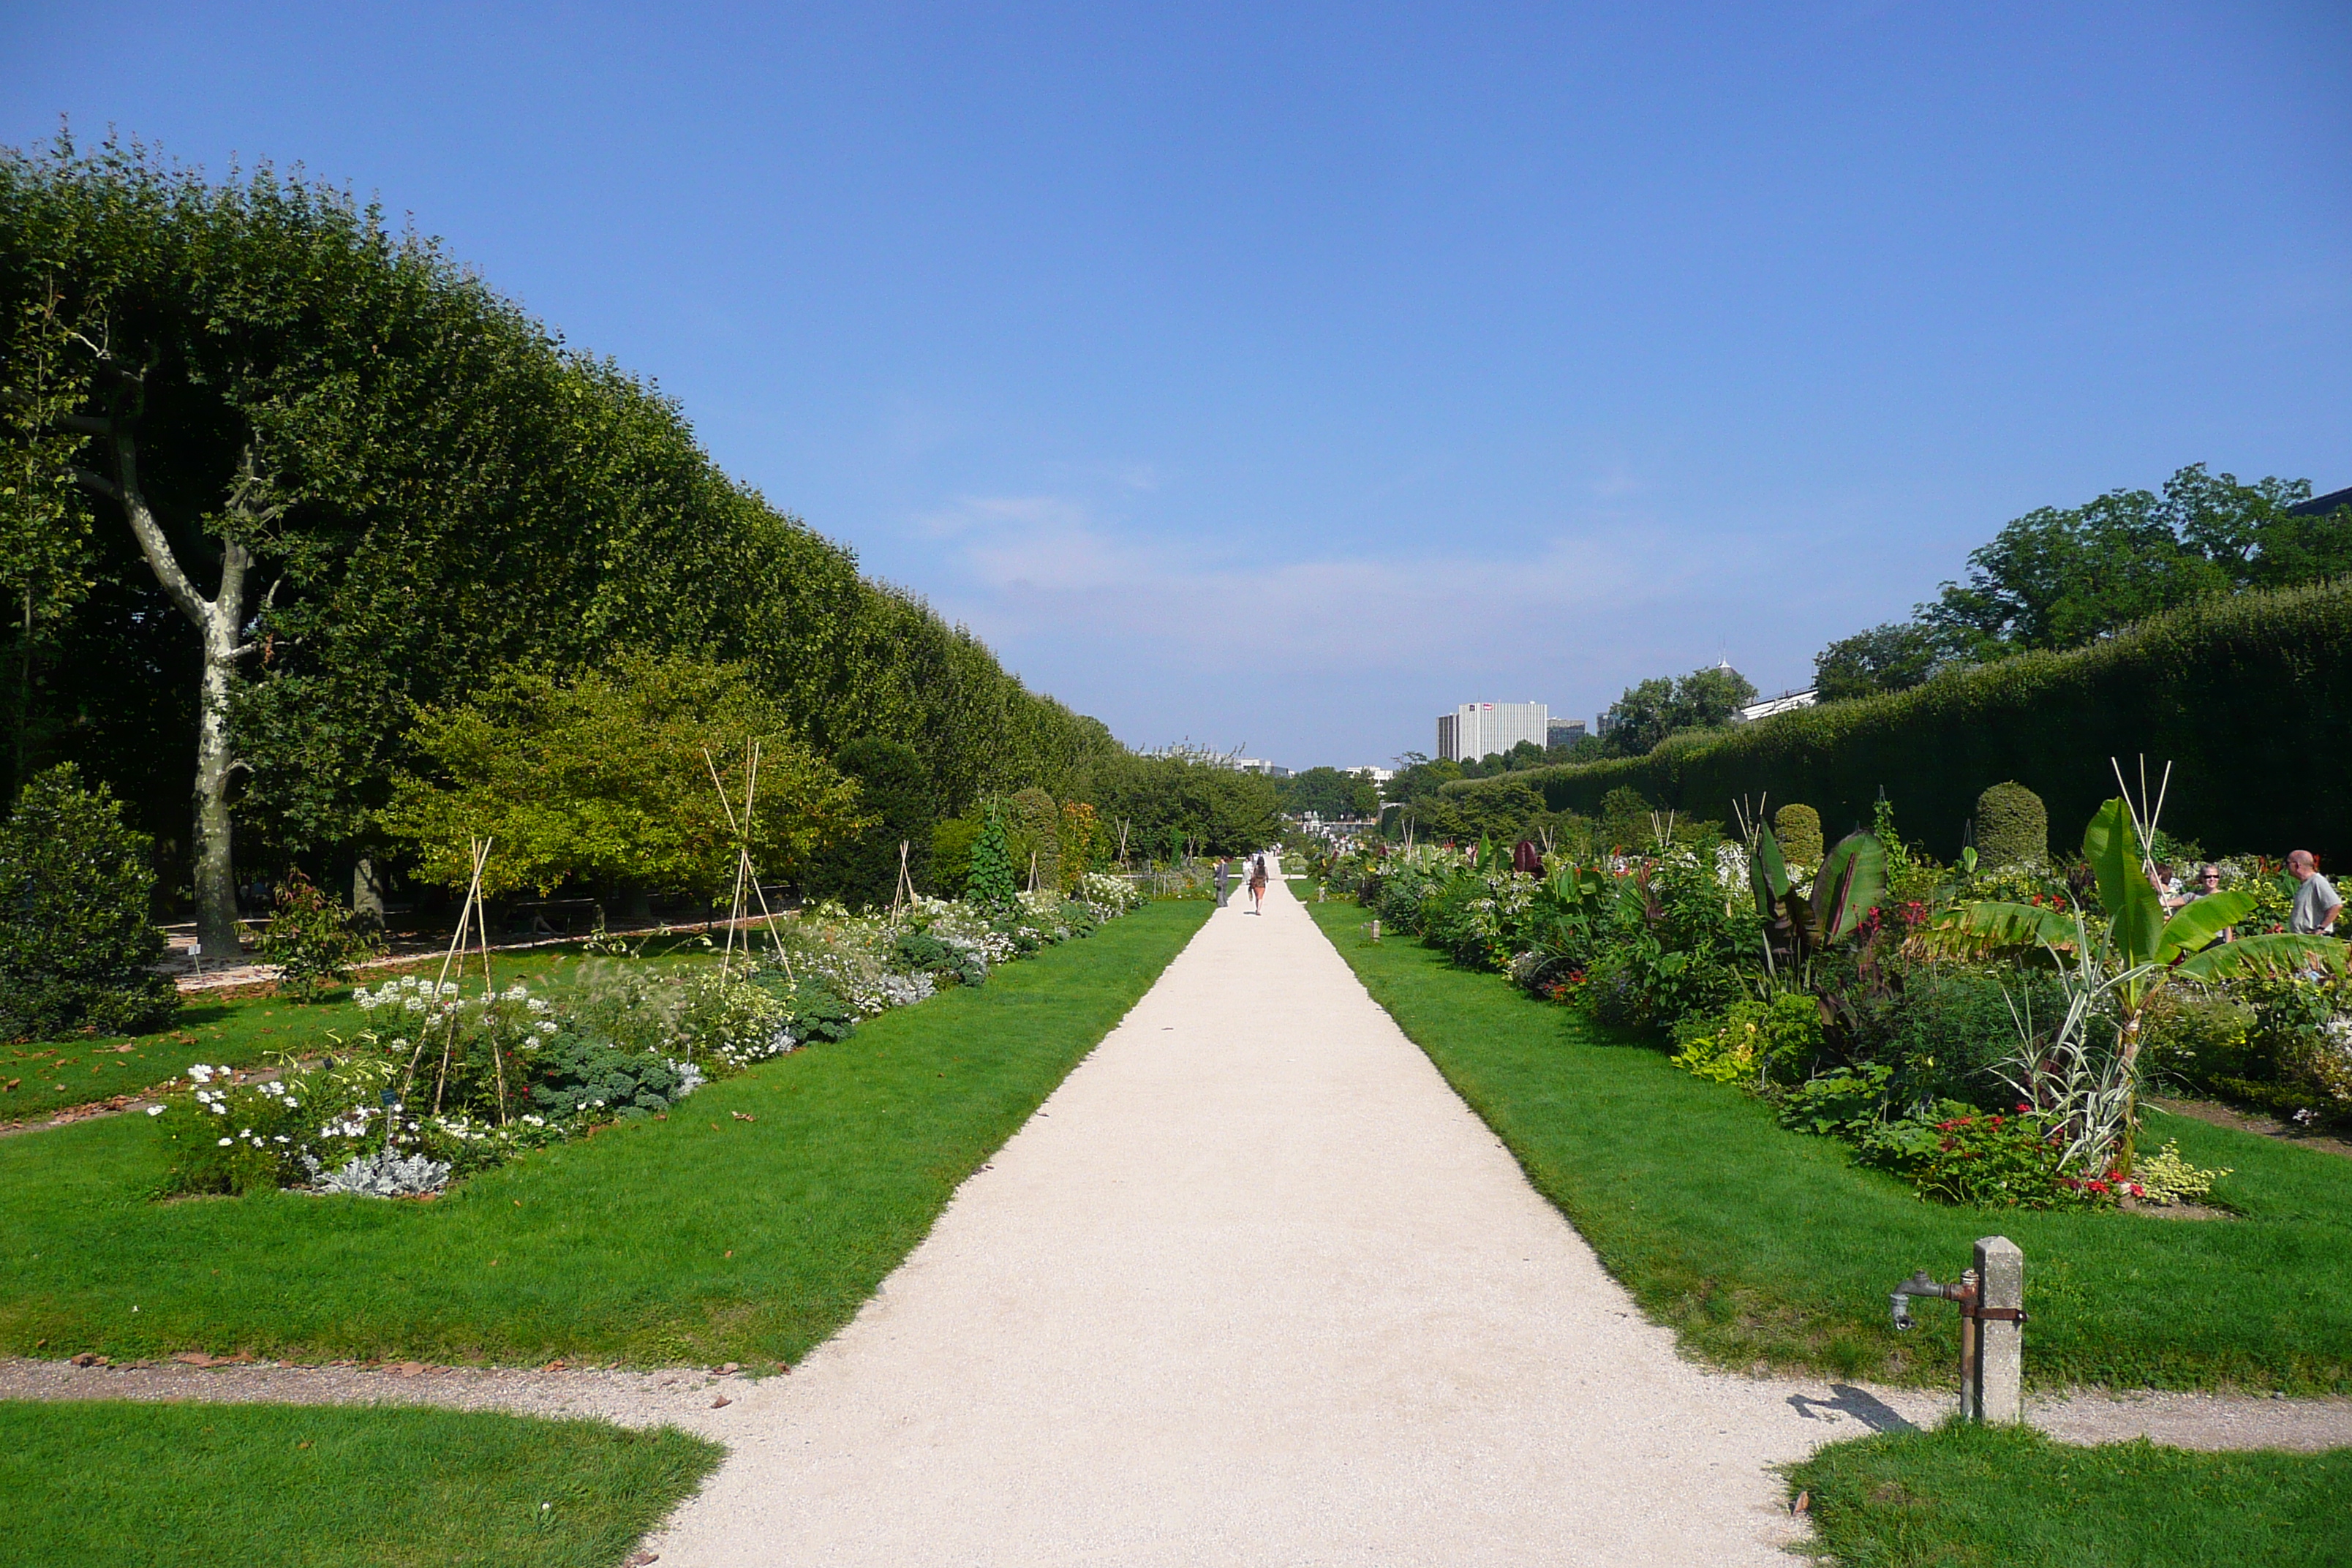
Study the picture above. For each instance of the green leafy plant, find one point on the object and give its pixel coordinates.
(1849, 885)
(1754, 1041)
(990, 882)
(314, 942)
(78, 949)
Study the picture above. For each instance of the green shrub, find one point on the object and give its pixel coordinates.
(76, 947)
(1798, 829)
(2249, 685)
(1752, 1041)
(2012, 828)
(990, 882)
(314, 942)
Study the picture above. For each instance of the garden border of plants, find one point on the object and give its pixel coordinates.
(2251, 683)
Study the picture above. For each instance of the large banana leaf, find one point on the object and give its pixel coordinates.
(2286, 952)
(1852, 880)
(1767, 872)
(2201, 923)
(1994, 924)
(2135, 909)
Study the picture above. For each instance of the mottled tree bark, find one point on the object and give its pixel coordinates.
(220, 622)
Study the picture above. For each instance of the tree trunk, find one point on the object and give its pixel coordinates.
(215, 868)
(220, 622)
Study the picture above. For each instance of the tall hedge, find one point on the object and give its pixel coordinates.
(2248, 697)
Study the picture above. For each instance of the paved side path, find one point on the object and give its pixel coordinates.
(1256, 1288)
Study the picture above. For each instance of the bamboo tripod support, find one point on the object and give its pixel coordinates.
(469, 917)
(747, 874)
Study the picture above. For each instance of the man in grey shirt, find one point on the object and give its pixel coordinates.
(2316, 903)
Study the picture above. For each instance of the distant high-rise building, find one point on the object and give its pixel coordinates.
(1564, 732)
(1475, 731)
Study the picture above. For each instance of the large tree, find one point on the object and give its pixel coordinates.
(2058, 578)
(1647, 713)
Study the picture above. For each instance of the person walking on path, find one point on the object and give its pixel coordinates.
(1257, 884)
(1225, 870)
(2316, 903)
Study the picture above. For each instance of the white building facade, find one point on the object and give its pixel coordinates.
(1475, 730)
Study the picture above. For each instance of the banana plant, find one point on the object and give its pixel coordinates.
(1852, 880)
(2129, 958)
(2137, 938)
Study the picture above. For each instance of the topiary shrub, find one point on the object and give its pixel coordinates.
(1799, 829)
(77, 949)
(2012, 828)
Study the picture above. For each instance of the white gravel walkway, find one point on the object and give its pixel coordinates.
(1256, 1288)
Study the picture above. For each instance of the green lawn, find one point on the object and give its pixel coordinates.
(2009, 1498)
(749, 1225)
(197, 1486)
(39, 1078)
(1762, 1246)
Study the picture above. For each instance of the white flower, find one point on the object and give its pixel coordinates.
(154, 1111)
(226, 1141)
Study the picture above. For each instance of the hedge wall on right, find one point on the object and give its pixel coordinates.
(2248, 697)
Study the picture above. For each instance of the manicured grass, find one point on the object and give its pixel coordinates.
(163, 1485)
(39, 1078)
(748, 1227)
(2009, 1498)
(1764, 1245)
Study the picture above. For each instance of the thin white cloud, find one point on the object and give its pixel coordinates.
(1045, 570)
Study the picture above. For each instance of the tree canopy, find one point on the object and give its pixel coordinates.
(431, 488)
(1327, 793)
(605, 778)
(2060, 578)
(1706, 698)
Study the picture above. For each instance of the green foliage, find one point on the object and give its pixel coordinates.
(451, 492)
(2249, 686)
(2012, 828)
(602, 778)
(1180, 796)
(1798, 829)
(1894, 657)
(77, 948)
(952, 845)
(895, 794)
(2058, 579)
(314, 942)
(990, 883)
(1327, 793)
(1706, 698)
(1753, 1040)
(576, 1076)
(1033, 836)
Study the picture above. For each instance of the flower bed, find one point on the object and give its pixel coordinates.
(441, 1084)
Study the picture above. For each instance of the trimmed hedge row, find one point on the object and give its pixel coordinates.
(2248, 697)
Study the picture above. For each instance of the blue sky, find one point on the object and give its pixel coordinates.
(1278, 375)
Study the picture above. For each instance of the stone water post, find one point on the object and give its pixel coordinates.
(2001, 1362)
